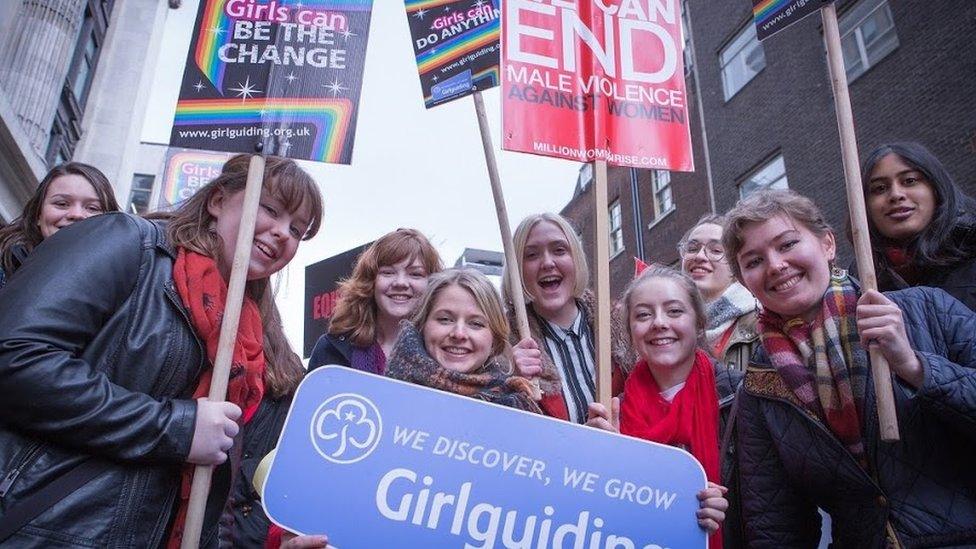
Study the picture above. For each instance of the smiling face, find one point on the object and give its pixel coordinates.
(786, 266)
(398, 288)
(549, 273)
(69, 198)
(277, 232)
(457, 333)
(900, 200)
(711, 275)
(663, 329)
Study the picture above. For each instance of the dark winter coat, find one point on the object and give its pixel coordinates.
(727, 383)
(921, 490)
(98, 359)
(244, 524)
(958, 279)
(18, 253)
(331, 349)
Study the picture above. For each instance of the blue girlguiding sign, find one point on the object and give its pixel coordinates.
(374, 462)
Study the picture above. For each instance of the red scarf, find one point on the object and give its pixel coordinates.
(204, 293)
(689, 421)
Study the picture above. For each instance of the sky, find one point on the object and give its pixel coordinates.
(411, 167)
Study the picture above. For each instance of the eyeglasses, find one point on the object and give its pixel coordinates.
(713, 249)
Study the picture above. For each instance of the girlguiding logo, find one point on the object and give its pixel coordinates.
(346, 428)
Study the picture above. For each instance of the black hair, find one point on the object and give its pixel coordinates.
(951, 235)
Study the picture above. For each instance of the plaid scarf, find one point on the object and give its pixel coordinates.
(823, 362)
(411, 362)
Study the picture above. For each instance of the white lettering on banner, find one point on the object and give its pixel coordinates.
(398, 499)
(619, 37)
(489, 458)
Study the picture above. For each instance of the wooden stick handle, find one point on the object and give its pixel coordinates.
(511, 263)
(859, 219)
(602, 242)
(200, 488)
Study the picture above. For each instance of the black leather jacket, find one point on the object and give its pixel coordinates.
(97, 358)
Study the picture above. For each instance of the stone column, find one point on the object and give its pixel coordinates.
(34, 60)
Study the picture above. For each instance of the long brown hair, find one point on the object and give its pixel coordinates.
(355, 312)
(190, 227)
(25, 231)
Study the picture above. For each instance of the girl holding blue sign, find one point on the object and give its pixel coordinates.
(106, 364)
(456, 342)
(676, 394)
(808, 432)
(385, 287)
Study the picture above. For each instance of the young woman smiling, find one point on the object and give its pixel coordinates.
(385, 287)
(676, 394)
(730, 309)
(807, 424)
(560, 349)
(922, 226)
(68, 193)
(456, 343)
(106, 364)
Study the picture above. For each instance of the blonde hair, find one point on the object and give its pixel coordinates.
(189, 226)
(686, 284)
(484, 295)
(355, 311)
(520, 239)
(764, 206)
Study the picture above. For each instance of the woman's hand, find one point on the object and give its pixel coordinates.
(294, 541)
(214, 432)
(713, 506)
(880, 324)
(599, 417)
(527, 358)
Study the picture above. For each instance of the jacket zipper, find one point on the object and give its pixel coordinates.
(11, 477)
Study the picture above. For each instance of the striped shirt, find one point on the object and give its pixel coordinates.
(572, 352)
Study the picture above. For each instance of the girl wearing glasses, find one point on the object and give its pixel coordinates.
(922, 226)
(730, 330)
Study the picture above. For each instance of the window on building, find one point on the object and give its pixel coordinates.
(661, 181)
(585, 176)
(741, 60)
(616, 230)
(142, 186)
(66, 129)
(771, 175)
(867, 35)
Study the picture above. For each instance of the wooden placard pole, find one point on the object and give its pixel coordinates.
(511, 263)
(859, 220)
(200, 488)
(602, 241)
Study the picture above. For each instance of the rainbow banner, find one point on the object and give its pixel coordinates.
(772, 16)
(456, 46)
(283, 74)
(185, 172)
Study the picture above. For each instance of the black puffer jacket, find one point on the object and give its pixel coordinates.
(98, 359)
(922, 490)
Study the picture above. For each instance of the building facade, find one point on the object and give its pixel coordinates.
(767, 112)
(74, 85)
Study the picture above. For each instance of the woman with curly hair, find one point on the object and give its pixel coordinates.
(385, 286)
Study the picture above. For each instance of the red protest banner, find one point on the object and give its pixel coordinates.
(596, 80)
